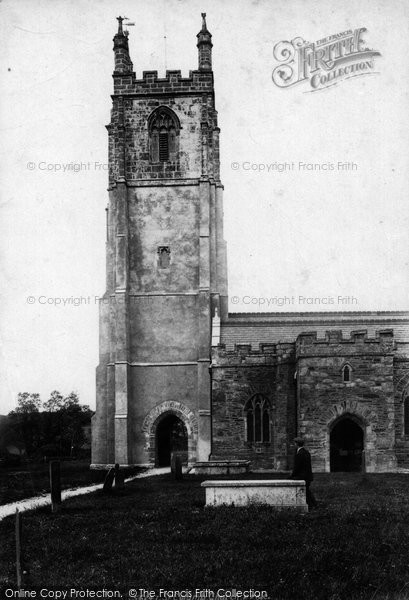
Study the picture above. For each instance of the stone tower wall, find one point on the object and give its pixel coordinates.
(155, 318)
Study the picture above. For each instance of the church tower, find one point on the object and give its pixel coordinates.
(166, 264)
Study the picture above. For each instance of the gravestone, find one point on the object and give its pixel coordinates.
(119, 478)
(288, 494)
(55, 485)
(19, 569)
(176, 466)
(109, 480)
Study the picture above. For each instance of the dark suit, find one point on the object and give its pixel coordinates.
(302, 470)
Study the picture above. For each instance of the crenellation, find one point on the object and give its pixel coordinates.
(173, 76)
(147, 77)
(173, 83)
(359, 336)
(385, 334)
(334, 343)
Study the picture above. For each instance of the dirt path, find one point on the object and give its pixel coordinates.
(44, 500)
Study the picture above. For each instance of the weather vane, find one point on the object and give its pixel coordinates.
(120, 21)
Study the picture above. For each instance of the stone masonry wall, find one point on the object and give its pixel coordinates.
(192, 101)
(401, 387)
(368, 397)
(238, 375)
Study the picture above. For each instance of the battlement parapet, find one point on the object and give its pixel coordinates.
(243, 354)
(308, 344)
(172, 83)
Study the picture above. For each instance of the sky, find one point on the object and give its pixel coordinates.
(297, 233)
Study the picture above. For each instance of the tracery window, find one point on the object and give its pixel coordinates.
(257, 415)
(163, 136)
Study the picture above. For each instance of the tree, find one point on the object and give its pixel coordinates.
(54, 403)
(27, 403)
(64, 420)
(10, 437)
(73, 418)
(25, 419)
(60, 426)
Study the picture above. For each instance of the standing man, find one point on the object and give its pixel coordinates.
(302, 470)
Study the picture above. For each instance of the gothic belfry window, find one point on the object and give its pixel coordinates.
(163, 136)
(257, 419)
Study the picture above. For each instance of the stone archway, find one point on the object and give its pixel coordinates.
(363, 417)
(346, 444)
(161, 417)
(170, 437)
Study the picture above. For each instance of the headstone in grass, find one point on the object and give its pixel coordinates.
(176, 466)
(55, 485)
(18, 550)
(109, 480)
(119, 478)
(20, 570)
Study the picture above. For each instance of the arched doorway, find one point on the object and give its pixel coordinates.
(171, 436)
(346, 445)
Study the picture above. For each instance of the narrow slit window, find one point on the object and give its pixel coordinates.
(346, 374)
(163, 257)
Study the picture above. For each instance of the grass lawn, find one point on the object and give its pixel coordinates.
(32, 479)
(158, 534)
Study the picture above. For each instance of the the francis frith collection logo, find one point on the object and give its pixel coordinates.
(325, 62)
